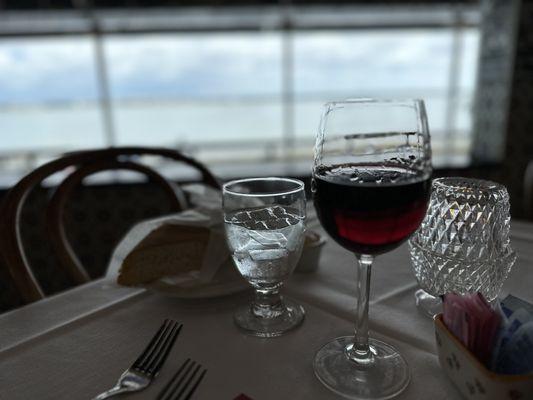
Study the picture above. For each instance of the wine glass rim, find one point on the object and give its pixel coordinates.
(299, 186)
(371, 100)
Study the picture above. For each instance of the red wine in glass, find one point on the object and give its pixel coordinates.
(370, 209)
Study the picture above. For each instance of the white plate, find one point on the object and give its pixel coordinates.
(228, 280)
(213, 289)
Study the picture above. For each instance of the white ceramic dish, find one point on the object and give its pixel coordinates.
(309, 261)
(471, 377)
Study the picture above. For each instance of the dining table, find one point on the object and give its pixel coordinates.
(75, 344)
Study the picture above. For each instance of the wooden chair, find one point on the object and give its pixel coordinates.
(83, 163)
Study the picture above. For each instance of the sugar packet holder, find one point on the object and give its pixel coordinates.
(471, 377)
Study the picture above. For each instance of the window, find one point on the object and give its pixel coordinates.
(208, 93)
(238, 88)
(391, 63)
(47, 100)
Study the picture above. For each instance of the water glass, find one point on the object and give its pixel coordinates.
(463, 243)
(264, 220)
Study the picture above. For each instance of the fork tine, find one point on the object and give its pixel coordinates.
(187, 383)
(162, 353)
(195, 386)
(149, 348)
(174, 383)
(171, 380)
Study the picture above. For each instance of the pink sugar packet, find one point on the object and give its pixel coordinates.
(473, 321)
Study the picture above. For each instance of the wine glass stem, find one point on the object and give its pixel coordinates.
(360, 352)
(268, 303)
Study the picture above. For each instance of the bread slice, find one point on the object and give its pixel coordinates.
(168, 250)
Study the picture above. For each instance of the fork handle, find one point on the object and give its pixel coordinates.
(112, 392)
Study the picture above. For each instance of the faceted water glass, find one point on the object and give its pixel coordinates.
(463, 243)
(264, 220)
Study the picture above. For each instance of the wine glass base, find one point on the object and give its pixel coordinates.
(386, 377)
(247, 321)
(428, 304)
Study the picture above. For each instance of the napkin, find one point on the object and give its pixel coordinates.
(214, 263)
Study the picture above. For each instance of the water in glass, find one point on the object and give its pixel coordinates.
(265, 243)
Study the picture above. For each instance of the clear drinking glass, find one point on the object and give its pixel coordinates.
(463, 244)
(371, 181)
(264, 219)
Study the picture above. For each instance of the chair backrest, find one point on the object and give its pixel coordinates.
(83, 163)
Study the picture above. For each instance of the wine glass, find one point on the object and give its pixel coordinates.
(371, 184)
(264, 219)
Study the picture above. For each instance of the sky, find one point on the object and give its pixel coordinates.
(230, 65)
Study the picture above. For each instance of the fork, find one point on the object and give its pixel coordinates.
(146, 367)
(181, 386)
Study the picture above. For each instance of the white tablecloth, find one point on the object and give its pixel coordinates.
(75, 345)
